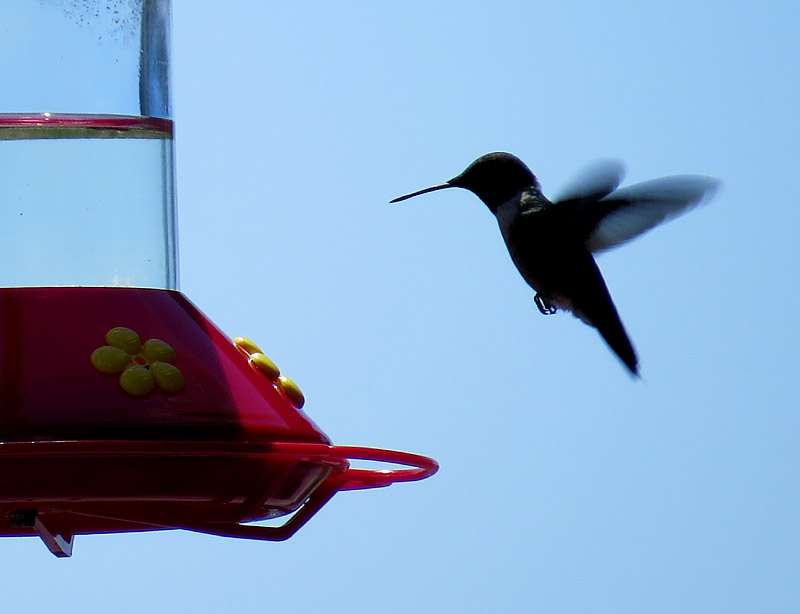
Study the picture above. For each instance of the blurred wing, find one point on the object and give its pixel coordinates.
(629, 212)
(594, 182)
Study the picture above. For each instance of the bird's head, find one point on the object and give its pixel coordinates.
(494, 178)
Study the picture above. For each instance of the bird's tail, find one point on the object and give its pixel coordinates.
(593, 304)
(612, 330)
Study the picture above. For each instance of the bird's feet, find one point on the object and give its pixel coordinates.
(544, 305)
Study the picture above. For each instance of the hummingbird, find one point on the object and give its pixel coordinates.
(552, 243)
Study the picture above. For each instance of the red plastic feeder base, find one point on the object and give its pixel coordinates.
(173, 427)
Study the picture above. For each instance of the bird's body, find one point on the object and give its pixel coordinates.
(551, 243)
(552, 258)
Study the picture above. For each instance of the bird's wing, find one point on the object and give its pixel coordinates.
(594, 182)
(629, 212)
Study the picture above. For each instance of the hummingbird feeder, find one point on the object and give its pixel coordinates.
(122, 406)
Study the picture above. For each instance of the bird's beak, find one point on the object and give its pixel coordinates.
(433, 188)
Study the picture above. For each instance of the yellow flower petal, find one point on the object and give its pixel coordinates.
(292, 391)
(265, 365)
(157, 350)
(168, 377)
(110, 359)
(247, 345)
(125, 339)
(137, 380)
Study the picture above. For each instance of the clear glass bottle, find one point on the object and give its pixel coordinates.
(87, 193)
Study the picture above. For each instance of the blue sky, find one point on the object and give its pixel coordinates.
(565, 486)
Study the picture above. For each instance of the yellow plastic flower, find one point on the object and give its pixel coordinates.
(143, 367)
(264, 365)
